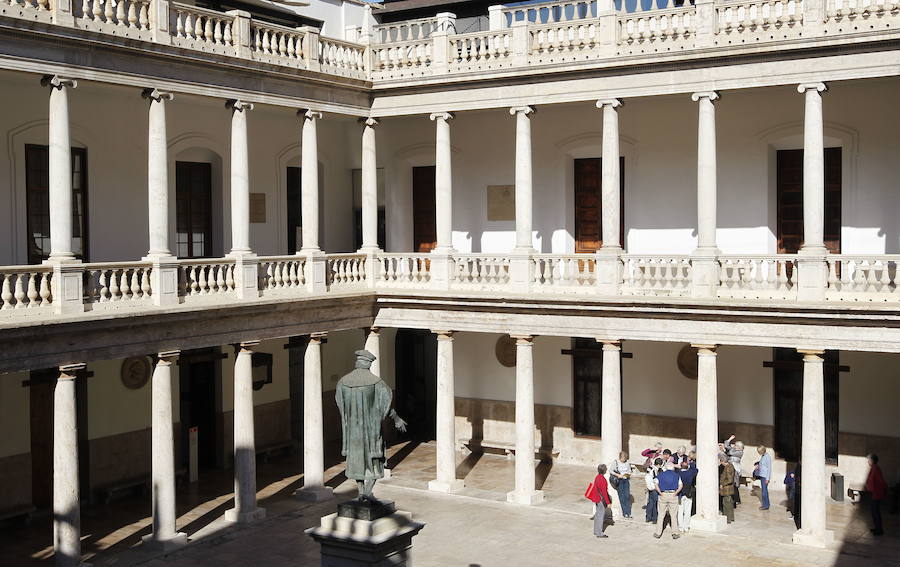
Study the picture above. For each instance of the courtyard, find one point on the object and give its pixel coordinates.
(475, 527)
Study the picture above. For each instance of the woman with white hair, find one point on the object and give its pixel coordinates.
(735, 451)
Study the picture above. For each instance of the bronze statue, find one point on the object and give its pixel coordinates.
(364, 401)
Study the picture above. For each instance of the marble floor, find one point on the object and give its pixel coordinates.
(474, 528)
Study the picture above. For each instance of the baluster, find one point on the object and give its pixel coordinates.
(189, 25)
(884, 279)
(144, 17)
(832, 274)
(20, 292)
(135, 283)
(291, 50)
(179, 23)
(198, 27)
(45, 289)
(145, 282)
(85, 9)
(859, 277)
(217, 32)
(220, 278)
(32, 290)
(208, 29)
(871, 279)
(108, 13)
(113, 286)
(226, 34)
(132, 14)
(97, 10)
(6, 294)
(229, 277)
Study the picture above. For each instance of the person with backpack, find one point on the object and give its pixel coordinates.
(619, 478)
(688, 474)
(598, 493)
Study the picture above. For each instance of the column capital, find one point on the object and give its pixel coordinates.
(308, 114)
(526, 110)
(372, 329)
(711, 95)
(445, 116)
(156, 95)
(370, 122)
(318, 336)
(704, 349)
(610, 344)
(68, 371)
(167, 355)
(613, 102)
(820, 87)
(811, 354)
(238, 105)
(57, 82)
(247, 346)
(443, 335)
(523, 339)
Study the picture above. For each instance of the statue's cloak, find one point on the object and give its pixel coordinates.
(363, 400)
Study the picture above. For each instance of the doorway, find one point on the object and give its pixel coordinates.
(296, 353)
(789, 200)
(424, 209)
(198, 373)
(193, 209)
(416, 398)
(589, 204)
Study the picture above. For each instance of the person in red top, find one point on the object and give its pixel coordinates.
(877, 489)
(599, 495)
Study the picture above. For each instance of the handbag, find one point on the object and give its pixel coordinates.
(614, 481)
(589, 491)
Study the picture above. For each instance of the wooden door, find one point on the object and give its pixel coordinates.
(41, 413)
(424, 209)
(193, 209)
(294, 209)
(789, 188)
(787, 373)
(589, 206)
(587, 372)
(416, 400)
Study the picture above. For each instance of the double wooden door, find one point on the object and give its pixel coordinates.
(589, 205)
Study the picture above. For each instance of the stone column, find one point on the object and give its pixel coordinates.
(524, 243)
(708, 518)
(705, 267)
(157, 173)
(611, 400)
(525, 492)
(245, 509)
(812, 454)
(314, 488)
(164, 534)
(60, 169)
(66, 502)
(369, 188)
(240, 178)
(443, 182)
(812, 274)
(609, 265)
(446, 480)
(309, 181)
(373, 345)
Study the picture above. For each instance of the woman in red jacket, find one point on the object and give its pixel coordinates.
(877, 488)
(599, 495)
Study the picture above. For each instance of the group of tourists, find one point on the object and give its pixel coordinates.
(670, 480)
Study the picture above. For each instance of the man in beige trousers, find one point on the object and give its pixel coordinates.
(668, 484)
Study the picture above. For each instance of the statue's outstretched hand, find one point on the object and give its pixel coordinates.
(398, 421)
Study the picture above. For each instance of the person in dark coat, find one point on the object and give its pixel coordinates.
(877, 489)
(599, 495)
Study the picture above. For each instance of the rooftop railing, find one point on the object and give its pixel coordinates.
(519, 36)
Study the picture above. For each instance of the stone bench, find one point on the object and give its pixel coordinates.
(109, 492)
(544, 453)
(22, 512)
(276, 448)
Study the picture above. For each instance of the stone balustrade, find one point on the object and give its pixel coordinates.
(520, 37)
(30, 290)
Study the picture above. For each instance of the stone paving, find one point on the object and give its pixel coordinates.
(474, 528)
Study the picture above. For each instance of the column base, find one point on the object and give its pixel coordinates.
(314, 493)
(701, 524)
(180, 539)
(245, 517)
(525, 498)
(454, 485)
(809, 539)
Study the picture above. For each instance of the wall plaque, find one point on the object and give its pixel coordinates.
(501, 202)
(687, 362)
(506, 351)
(257, 207)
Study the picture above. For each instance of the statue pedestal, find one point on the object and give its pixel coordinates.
(366, 534)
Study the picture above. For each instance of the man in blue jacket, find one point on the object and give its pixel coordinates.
(764, 473)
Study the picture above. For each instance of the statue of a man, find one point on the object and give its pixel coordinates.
(364, 401)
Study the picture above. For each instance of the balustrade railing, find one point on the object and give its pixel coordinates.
(564, 41)
(480, 50)
(277, 44)
(282, 273)
(117, 284)
(656, 275)
(409, 30)
(404, 59)
(343, 271)
(25, 287)
(199, 278)
(37, 10)
(479, 270)
(758, 277)
(672, 29)
(199, 28)
(343, 57)
(566, 272)
(550, 12)
(862, 278)
(780, 18)
(404, 270)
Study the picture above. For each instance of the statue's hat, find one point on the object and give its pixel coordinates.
(365, 355)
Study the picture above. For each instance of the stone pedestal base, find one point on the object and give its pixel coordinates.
(314, 494)
(245, 517)
(701, 524)
(165, 545)
(350, 542)
(821, 540)
(448, 487)
(525, 498)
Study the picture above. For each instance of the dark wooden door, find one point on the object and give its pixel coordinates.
(789, 166)
(294, 209)
(41, 410)
(416, 397)
(587, 371)
(589, 206)
(787, 375)
(193, 209)
(424, 209)
(198, 404)
(296, 354)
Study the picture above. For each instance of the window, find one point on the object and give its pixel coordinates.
(193, 209)
(37, 197)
